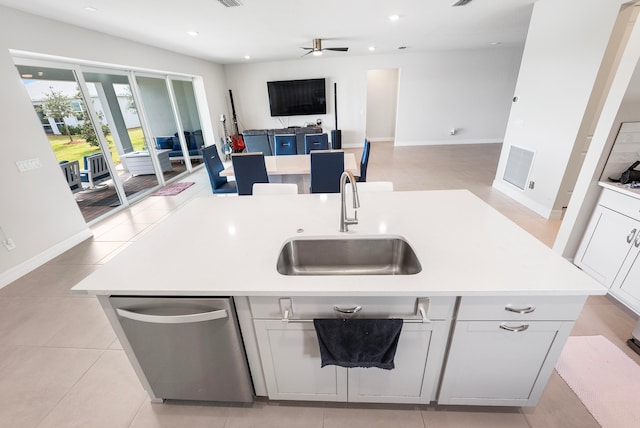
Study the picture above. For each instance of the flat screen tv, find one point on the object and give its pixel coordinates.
(297, 97)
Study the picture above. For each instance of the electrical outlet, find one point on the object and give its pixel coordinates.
(9, 244)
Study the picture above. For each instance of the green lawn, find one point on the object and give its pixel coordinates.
(79, 148)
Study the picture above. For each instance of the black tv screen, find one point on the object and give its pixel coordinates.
(297, 97)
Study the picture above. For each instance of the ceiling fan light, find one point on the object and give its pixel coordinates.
(317, 53)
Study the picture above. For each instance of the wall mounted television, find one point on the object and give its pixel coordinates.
(297, 97)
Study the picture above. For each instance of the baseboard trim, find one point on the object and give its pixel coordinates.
(35, 262)
(448, 142)
(556, 214)
(380, 139)
(518, 195)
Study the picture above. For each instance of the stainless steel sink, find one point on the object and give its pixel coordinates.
(388, 255)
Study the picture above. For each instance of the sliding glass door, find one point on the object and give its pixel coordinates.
(136, 163)
(84, 159)
(118, 135)
(187, 108)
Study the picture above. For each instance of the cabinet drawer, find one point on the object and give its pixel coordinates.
(621, 203)
(309, 307)
(521, 308)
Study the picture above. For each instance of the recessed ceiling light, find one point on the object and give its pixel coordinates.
(247, 57)
(192, 33)
(495, 43)
(372, 48)
(90, 9)
(394, 17)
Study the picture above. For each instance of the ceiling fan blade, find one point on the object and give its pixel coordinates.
(310, 51)
(461, 2)
(336, 49)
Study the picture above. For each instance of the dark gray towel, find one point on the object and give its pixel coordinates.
(358, 342)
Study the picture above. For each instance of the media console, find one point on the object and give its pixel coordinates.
(261, 137)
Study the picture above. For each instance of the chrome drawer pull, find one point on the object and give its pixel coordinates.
(526, 310)
(637, 243)
(631, 235)
(352, 310)
(517, 329)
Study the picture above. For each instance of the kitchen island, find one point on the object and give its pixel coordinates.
(485, 318)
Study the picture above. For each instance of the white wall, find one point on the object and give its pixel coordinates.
(37, 210)
(565, 46)
(616, 109)
(382, 104)
(468, 90)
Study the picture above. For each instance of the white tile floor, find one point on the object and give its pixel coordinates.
(61, 365)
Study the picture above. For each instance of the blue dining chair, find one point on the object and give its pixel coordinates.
(326, 169)
(214, 166)
(285, 144)
(364, 161)
(249, 168)
(315, 142)
(257, 141)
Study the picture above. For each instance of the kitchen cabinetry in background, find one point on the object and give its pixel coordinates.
(611, 244)
(504, 349)
(291, 360)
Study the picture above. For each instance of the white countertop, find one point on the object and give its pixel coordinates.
(621, 188)
(229, 246)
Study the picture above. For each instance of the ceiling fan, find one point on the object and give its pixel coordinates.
(461, 2)
(317, 48)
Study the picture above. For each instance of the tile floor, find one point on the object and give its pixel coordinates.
(61, 365)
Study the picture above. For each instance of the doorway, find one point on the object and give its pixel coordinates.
(382, 104)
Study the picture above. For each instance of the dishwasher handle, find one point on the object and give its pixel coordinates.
(173, 319)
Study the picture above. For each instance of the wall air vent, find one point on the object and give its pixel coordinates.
(461, 2)
(230, 3)
(518, 166)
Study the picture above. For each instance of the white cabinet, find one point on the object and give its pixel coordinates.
(506, 361)
(291, 361)
(609, 249)
(417, 368)
(626, 287)
(606, 244)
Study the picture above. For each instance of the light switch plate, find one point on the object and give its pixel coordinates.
(28, 164)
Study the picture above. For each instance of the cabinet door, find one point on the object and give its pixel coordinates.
(418, 363)
(627, 285)
(291, 362)
(606, 244)
(488, 365)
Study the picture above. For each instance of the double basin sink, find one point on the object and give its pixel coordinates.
(379, 255)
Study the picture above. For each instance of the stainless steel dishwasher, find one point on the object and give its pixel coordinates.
(188, 348)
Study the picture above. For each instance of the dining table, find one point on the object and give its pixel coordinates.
(295, 169)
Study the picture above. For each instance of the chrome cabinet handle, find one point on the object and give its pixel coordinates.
(637, 242)
(526, 310)
(631, 235)
(173, 319)
(517, 329)
(352, 310)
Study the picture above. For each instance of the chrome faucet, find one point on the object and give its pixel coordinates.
(344, 220)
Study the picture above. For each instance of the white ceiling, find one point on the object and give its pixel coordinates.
(277, 29)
